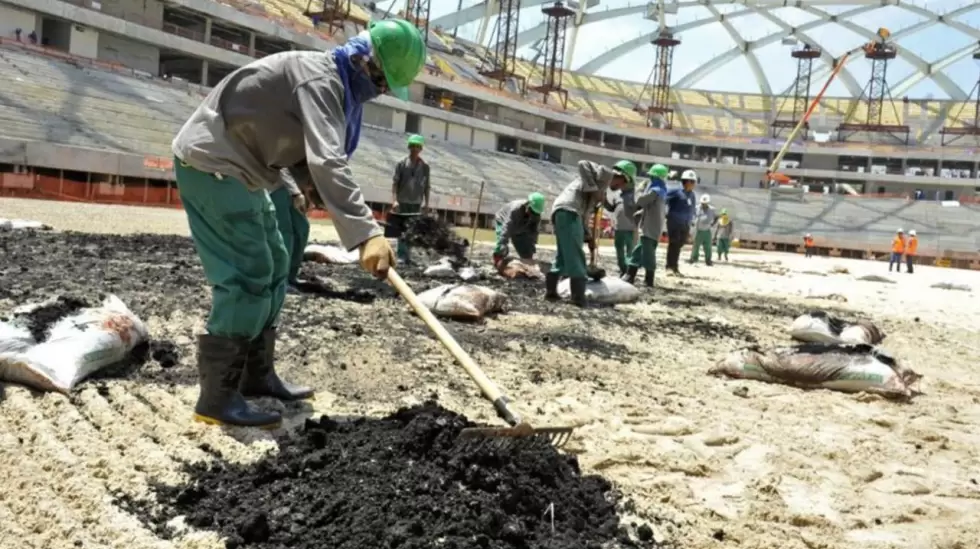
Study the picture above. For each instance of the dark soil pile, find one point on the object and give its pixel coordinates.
(432, 234)
(40, 320)
(404, 481)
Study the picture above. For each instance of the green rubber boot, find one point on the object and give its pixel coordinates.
(220, 362)
(260, 378)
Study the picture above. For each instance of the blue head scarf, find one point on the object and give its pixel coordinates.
(358, 87)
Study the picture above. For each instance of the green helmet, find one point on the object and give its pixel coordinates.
(658, 170)
(401, 49)
(628, 169)
(535, 201)
(416, 140)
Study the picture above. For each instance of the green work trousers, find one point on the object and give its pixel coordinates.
(724, 244)
(294, 227)
(404, 252)
(702, 239)
(243, 255)
(623, 240)
(645, 254)
(570, 235)
(524, 243)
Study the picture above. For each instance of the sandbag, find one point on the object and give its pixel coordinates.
(445, 268)
(608, 291)
(512, 267)
(74, 348)
(822, 327)
(838, 367)
(319, 253)
(22, 224)
(463, 301)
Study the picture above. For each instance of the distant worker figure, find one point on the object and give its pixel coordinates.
(519, 222)
(911, 248)
(704, 219)
(622, 209)
(680, 214)
(650, 214)
(723, 233)
(568, 214)
(293, 225)
(410, 189)
(299, 110)
(898, 250)
(808, 245)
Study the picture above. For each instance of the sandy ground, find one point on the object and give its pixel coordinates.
(714, 463)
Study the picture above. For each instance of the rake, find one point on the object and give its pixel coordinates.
(519, 432)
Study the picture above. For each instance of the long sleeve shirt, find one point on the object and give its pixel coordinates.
(705, 218)
(285, 110)
(622, 208)
(516, 219)
(651, 205)
(411, 181)
(680, 206)
(583, 193)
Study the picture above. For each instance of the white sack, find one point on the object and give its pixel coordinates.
(821, 327)
(847, 368)
(469, 274)
(319, 253)
(76, 347)
(463, 301)
(512, 267)
(442, 269)
(608, 291)
(22, 224)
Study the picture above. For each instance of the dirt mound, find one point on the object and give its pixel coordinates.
(435, 235)
(404, 481)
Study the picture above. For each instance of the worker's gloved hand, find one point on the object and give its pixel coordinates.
(377, 256)
(299, 202)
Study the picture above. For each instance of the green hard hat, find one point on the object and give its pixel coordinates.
(535, 201)
(658, 170)
(416, 140)
(401, 49)
(628, 168)
(724, 211)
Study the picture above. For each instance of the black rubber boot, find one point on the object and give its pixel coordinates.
(260, 378)
(220, 362)
(551, 286)
(648, 279)
(577, 286)
(630, 275)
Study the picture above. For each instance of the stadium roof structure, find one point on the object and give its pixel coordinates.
(935, 40)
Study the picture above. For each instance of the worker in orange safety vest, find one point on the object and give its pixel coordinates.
(808, 245)
(911, 247)
(898, 250)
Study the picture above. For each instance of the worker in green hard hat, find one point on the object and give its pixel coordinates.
(569, 213)
(518, 222)
(410, 189)
(650, 220)
(300, 111)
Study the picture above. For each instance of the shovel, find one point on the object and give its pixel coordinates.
(594, 271)
(519, 431)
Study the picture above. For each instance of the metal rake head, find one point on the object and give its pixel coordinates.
(522, 436)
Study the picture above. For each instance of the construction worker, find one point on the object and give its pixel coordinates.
(410, 189)
(299, 110)
(568, 214)
(622, 209)
(650, 214)
(704, 220)
(808, 245)
(680, 214)
(911, 248)
(293, 225)
(518, 222)
(723, 233)
(898, 250)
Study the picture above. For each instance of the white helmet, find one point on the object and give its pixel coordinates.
(808, 235)
(689, 175)
(705, 199)
(899, 231)
(912, 232)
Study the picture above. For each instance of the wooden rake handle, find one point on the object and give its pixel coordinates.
(486, 385)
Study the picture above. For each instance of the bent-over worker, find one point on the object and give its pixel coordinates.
(299, 110)
(519, 222)
(293, 225)
(650, 204)
(704, 220)
(410, 189)
(680, 214)
(622, 209)
(723, 233)
(568, 214)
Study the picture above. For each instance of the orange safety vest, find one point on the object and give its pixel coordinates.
(898, 245)
(913, 245)
(808, 242)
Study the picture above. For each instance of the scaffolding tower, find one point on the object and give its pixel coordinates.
(659, 112)
(880, 52)
(332, 13)
(417, 12)
(501, 62)
(554, 52)
(968, 128)
(801, 92)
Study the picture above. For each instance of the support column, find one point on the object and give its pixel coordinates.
(251, 44)
(207, 30)
(204, 73)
